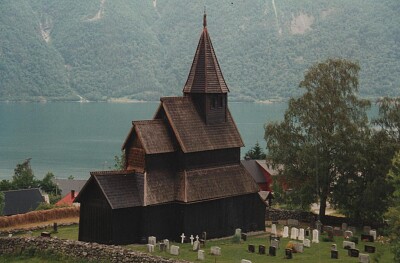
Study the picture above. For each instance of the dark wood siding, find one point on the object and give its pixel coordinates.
(136, 158)
(161, 161)
(216, 108)
(126, 225)
(209, 158)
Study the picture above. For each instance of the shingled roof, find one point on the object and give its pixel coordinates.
(153, 135)
(205, 75)
(192, 133)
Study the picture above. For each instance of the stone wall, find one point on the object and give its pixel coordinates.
(280, 214)
(81, 250)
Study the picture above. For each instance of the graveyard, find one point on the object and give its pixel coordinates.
(255, 247)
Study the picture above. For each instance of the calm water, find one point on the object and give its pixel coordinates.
(76, 138)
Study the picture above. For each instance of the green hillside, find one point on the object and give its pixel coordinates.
(102, 49)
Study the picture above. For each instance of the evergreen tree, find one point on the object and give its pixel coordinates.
(255, 153)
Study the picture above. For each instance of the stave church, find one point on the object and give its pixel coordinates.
(182, 170)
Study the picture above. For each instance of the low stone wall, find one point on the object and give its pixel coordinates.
(280, 214)
(81, 250)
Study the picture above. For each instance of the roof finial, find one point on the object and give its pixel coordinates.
(205, 18)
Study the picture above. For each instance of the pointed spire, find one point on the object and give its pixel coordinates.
(205, 18)
(205, 75)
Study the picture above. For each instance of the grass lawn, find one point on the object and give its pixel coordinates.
(232, 252)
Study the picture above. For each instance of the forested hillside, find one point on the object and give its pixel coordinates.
(103, 49)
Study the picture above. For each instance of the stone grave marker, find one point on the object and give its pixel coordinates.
(348, 244)
(166, 242)
(200, 255)
(183, 238)
(301, 234)
(348, 234)
(294, 232)
(372, 232)
(197, 237)
(333, 247)
(245, 261)
(315, 236)
(251, 248)
(261, 249)
(196, 245)
(275, 243)
(307, 242)
(150, 248)
(337, 231)
(334, 254)
(272, 251)
(216, 251)
(353, 252)
(203, 238)
(288, 253)
(369, 249)
(363, 258)
(152, 240)
(174, 250)
(244, 236)
(191, 239)
(299, 247)
(285, 232)
(273, 230)
(162, 247)
(238, 232)
(366, 229)
(367, 238)
(344, 226)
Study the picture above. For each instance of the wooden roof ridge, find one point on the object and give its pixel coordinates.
(205, 75)
(113, 172)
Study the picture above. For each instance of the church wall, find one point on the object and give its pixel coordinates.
(216, 108)
(209, 158)
(161, 161)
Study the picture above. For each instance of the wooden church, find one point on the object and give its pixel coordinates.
(183, 172)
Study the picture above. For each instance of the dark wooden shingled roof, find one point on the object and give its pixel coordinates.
(215, 183)
(121, 189)
(21, 201)
(160, 187)
(192, 133)
(153, 135)
(205, 75)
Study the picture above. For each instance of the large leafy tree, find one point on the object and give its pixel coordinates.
(389, 117)
(323, 133)
(48, 185)
(23, 177)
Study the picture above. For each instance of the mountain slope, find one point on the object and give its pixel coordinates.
(102, 49)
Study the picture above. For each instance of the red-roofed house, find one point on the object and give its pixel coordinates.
(69, 199)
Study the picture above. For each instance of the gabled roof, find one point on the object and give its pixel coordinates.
(66, 185)
(153, 135)
(68, 199)
(192, 134)
(215, 183)
(205, 75)
(21, 201)
(255, 170)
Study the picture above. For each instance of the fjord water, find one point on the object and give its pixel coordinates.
(68, 138)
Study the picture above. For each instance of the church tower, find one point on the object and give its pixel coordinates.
(205, 84)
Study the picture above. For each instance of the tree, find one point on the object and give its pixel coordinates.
(255, 153)
(322, 135)
(48, 185)
(393, 214)
(119, 162)
(389, 116)
(23, 177)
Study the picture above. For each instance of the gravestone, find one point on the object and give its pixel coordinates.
(166, 242)
(307, 242)
(200, 255)
(334, 254)
(251, 248)
(197, 237)
(293, 222)
(196, 245)
(344, 226)
(162, 247)
(288, 253)
(273, 230)
(55, 227)
(191, 239)
(203, 238)
(373, 233)
(261, 249)
(348, 244)
(367, 238)
(275, 243)
(369, 249)
(238, 232)
(174, 250)
(363, 258)
(333, 247)
(294, 232)
(285, 232)
(301, 234)
(182, 238)
(315, 236)
(216, 251)
(150, 248)
(244, 236)
(353, 252)
(245, 261)
(299, 247)
(272, 251)
(366, 229)
(348, 234)
(152, 240)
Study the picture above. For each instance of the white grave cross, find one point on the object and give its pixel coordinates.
(197, 237)
(191, 239)
(182, 238)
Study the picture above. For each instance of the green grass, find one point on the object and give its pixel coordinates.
(233, 252)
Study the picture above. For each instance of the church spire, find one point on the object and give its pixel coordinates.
(205, 75)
